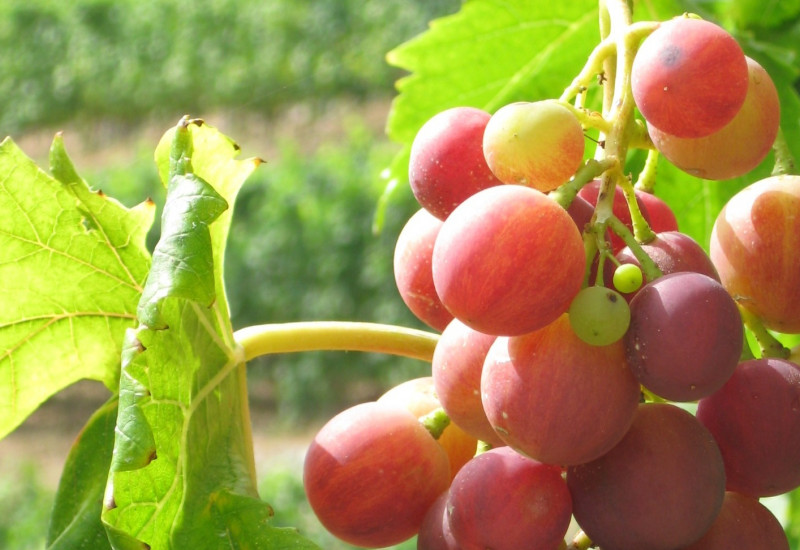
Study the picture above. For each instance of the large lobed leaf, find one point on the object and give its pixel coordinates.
(182, 473)
(72, 264)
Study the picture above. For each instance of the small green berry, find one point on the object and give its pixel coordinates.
(628, 278)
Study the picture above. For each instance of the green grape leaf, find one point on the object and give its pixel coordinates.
(782, 65)
(182, 474)
(179, 265)
(747, 14)
(218, 164)
(696, 202)
(489, 54)
(75, 520)
(73, 263)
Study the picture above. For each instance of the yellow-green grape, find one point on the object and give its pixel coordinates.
(628, 278)
(539, 144)
(599, 316)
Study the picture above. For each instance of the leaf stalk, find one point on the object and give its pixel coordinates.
(258, 340)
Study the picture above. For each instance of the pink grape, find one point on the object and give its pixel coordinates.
(745, 524)
(755, 246)
(412, 269)
(494, 260)
(736, 148)
(505, 501)
(689, 78)
(372, 472)
(447, 163)
(556, 398)
(457, 365)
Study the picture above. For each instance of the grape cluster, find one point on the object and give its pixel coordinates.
(562, 366)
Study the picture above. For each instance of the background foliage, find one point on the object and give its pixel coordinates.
(129, 59)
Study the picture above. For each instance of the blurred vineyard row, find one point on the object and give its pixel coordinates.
(127, 58)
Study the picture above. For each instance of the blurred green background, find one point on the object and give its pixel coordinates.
(302, 84)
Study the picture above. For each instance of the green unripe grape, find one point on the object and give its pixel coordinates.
(628, 278)
(599, 316)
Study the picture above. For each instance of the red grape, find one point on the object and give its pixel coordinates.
(660, 488)
(740, 145)
(581, 212)
(685, 336)
(508, 260)
(435, 534)
(412, 269)
(689, 77)
(672, 252)
(755, 418)
(755, 246)
(505, 501)
(659, 214)
(743, 523)
(556, 398)
(457, 365)
(372, 472)
(447, 163)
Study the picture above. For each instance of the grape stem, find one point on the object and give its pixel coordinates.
(649, 268)
(604, 50)
(593, 67)
(768, 344)
(784, 160)
(647, 177)
(258, 340)
(580, 542)
(588, 119)
(565, 194)
(618, 108)
(435, 422)
(641, 229)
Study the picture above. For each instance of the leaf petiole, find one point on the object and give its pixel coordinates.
(258, 340)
